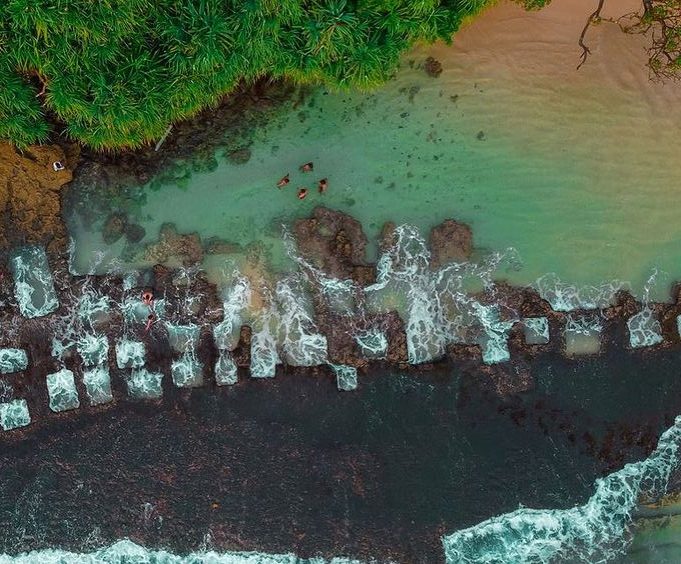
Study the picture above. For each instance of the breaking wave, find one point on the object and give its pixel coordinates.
(594, 532)
(127, 552)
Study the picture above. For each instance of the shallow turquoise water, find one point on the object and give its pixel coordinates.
(574, 170)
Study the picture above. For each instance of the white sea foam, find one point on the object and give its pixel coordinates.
(264, 355)
(436, 305)
(373, 343)
(143, 384)
(187, 371)
(14, 414)
(536, 330)
(12, 360)
(644, 329)
(237, 298)
(593, 532)
(346, 376)
(33, 283)
(130, 354)
(127, 552)
(301, 342)
(569, 297)
(583, 333)
(93, 349)
(97, 382)
(61, 388)
(226, 372)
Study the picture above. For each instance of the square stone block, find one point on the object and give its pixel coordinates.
(226, 372)
(130, 354)
(143, 384)
(61, 388)
(98, 384)
(14, 414)
(12, 360)
(346, 376)
(187, 372)
(183, 338)
(536, 330)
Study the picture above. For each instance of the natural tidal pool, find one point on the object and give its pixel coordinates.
(574, 169)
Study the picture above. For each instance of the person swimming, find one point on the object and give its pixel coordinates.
(323, 184)
(302, 192)
(147, 298)
(150, 321)
(307, 167)
(283, 181)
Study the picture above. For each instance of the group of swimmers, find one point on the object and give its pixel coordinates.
(322, 184)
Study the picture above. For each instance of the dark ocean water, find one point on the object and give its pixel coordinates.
(292, 465)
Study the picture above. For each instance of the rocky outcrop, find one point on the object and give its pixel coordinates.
(186, 247)
(335, 243)
(240, 156)
(30, 195)
(450, 241)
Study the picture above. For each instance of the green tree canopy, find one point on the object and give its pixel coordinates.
(118, 72)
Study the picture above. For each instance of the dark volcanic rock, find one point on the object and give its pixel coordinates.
(393, 327)
(93, 174)
(114, 227)
(450, 241)
(334, 242)
(134, 232)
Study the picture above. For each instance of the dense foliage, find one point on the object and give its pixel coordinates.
(118, 72)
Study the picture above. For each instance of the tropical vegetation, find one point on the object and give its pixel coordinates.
(116, 73)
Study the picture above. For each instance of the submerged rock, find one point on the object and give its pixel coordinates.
(433, 67)
(187, 247)
(114, 227)
(134, 232)
(240, 156)
(450, 241)
(61, 388)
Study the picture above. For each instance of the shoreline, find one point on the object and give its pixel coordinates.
(317, 238)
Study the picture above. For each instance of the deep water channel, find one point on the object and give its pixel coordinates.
(392, 466)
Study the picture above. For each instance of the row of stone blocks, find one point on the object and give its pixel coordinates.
(186, 371)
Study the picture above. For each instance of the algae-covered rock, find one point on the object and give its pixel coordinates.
(450, 241)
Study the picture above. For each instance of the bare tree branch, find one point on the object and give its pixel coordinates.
(595, 16)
